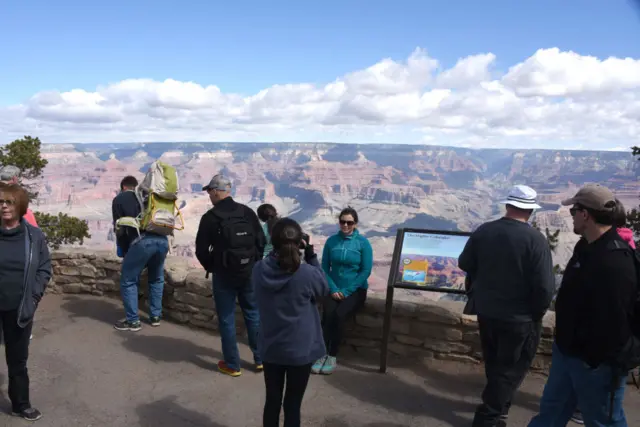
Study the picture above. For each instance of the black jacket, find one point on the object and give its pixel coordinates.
(595, 302)
(207, 236)
(510, 269)
(125, 204)
(37, 273)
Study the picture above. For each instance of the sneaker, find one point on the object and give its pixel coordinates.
(317, 367)
(31, 337)
(29, 414)
(329, 366)
(154, 320)
(577, 417)
(125, 325)
(222, 367)
(259, 367)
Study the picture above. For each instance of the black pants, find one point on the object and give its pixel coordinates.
(334, 315)
(16, 348)
(296, 378)
(508, 349)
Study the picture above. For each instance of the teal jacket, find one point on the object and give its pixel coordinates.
(268, 247)
(347, 261)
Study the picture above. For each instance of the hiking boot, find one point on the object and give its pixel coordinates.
(318, 365)
(125, 325)
(577, 417)
(329, 366)
(222, 367)
(154, 320)
(29, 414)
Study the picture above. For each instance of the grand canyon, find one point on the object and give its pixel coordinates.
(391, 186)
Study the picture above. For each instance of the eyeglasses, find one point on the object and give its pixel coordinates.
(349, 223)
(7, 202)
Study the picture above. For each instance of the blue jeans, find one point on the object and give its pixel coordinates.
(150, 251)
(225, 292)
(573, 383)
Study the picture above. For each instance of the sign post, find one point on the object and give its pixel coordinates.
(423, 260)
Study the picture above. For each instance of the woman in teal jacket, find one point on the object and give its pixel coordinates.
(347, 260)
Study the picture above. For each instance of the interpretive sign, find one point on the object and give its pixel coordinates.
(424, 260)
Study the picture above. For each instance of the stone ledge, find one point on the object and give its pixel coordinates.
(420, 330)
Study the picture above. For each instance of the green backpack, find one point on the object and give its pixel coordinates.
(158, 197)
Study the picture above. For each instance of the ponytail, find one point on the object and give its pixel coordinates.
(289, 257)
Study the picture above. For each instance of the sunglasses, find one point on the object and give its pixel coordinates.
(7, 202)
(349, 223)
(574, 210)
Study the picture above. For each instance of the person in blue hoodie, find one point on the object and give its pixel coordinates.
(347, 260)
(290, 338)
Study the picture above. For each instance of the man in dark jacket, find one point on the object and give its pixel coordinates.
(123, 205)
(593, 311)
(229, 242)
(509, 266)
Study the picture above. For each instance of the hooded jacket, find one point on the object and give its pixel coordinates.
(290, 331)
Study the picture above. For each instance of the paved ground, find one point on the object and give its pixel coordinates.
(85, 373)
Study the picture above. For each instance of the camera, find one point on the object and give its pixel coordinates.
(305, 241)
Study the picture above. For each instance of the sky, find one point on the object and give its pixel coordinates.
(425, 244)
(496, 73)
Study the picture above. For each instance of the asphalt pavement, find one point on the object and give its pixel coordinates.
(85, 373)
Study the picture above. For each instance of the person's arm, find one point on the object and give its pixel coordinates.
(613, 292)
(366, 265)
(467, 259)
(541, 277)
(326, 266)
(43, 272)
(318, 281)
(204, 240)
(261, 240)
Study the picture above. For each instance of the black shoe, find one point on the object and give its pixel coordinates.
(125, 325)
(29, 414)
(577, 417)
(154, 320)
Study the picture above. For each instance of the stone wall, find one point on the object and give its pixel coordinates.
(419, 330)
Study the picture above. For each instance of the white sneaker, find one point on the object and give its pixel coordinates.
(31, 337)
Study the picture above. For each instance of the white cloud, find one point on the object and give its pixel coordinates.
(549, 100)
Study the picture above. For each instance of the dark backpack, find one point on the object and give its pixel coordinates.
(235, 247)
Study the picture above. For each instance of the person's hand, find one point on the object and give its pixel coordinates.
(337, 296)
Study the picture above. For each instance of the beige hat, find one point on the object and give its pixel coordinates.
(595, 197)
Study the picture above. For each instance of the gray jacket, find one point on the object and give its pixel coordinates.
(37, 273)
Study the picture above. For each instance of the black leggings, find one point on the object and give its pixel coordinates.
(297, 378)
(334, 315)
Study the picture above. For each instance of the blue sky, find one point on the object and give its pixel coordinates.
(426, 244)
(244, 47)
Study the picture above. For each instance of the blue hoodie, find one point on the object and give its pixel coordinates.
(347, 260)
(290, 331)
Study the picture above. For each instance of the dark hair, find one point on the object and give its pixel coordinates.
(285, 237)
(20, 195)
(266, 212)
(349, 211)
(619, 215)
(128, 181)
